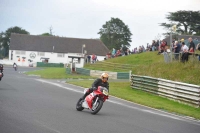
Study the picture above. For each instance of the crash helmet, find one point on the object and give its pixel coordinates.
(104, 77)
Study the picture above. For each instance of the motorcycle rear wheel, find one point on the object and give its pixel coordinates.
(79, 105)
(98, 108)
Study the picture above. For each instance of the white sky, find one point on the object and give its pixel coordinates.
(84, 18)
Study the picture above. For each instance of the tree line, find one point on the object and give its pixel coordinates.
(116, 34)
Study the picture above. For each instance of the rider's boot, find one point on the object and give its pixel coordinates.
(86, 93)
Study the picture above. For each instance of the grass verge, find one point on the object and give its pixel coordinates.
(56, 73)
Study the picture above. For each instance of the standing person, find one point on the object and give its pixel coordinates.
(157, 45)
(113, 52)
(198, 48)
(177, 49)
(185, 49)
(93, 58)
(102, 81)
(89, 59)
(162, 47)
(153, 45)
(121, 51)
(173, 44)
(192, 45)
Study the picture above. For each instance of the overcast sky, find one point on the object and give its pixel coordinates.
(84, 18)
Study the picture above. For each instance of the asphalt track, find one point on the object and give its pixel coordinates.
(29, 104)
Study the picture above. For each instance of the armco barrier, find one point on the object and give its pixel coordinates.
(97, 73)
(83, 71)
(43, 64)
(123, 75)
(182, 92)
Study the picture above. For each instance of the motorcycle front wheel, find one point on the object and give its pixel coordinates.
(79, 105)
(96, 108)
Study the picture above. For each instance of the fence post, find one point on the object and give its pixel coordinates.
(130, 75)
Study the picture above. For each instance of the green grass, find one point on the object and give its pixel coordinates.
(153, 65)
(147, 64)
(56, 73)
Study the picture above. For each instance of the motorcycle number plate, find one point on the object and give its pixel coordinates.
(105, 92)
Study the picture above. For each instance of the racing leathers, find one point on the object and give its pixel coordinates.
(96, 83)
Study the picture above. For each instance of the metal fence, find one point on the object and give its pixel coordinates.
(105, 64)
(182, 92)
(177, 57)
(43, 64)
(97, 73)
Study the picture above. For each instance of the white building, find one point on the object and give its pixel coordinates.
(31, 48)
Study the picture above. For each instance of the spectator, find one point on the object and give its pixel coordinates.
(191, 46)
(185, 49)
(143, 49)
(177, 49)
(173, 45)
(118, 53)
(147, 48)
(108, 55)
(153, 45)
(198, 48)
(157, 45)
(96, 58)
(113, 52)
(121, 51)
(162, 47)
(88, 59)
(128, 51)
(93, 58)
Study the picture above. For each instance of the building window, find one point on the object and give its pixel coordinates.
(20, 52)
(60, 55)
(40, 54)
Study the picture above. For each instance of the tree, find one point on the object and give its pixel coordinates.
(115, 34)
(50, 32)
(187, 22)
(5, 37)
(46, 34)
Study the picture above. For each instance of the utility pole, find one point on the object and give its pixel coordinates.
(173, 28)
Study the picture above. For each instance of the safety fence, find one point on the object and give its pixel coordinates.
(181, 92)
(193, 57)
(117, 66)
(44, 64)
(97, 73)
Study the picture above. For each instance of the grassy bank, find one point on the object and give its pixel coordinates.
(153, 65)
(56, 73)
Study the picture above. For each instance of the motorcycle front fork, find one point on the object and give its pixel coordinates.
(94, 105)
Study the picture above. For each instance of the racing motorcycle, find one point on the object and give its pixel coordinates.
(1, 71)
(1, 75)
(94, 101)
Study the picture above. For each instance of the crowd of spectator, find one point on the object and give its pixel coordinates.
(177, 47)
(91, 58)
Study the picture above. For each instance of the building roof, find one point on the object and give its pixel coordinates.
(56, 44)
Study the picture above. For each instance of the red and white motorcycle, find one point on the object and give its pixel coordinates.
(1, 75)
(1, 71)
(94, 101)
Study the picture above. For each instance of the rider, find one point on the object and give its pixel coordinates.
(103, 81)
(14, 65)
(1, 68)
